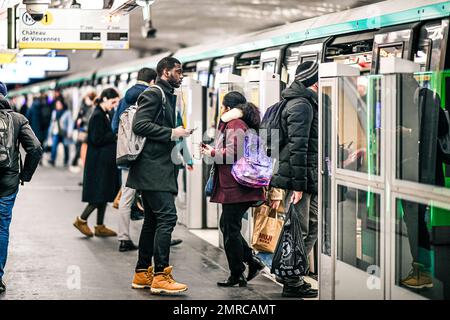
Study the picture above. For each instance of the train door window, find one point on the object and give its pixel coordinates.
(423, 56)
(225, 69)
(312, 57)
(202, 76)
(389, 50)
(269, 66)
(247, 62)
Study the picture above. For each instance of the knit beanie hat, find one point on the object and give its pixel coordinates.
(307, 73)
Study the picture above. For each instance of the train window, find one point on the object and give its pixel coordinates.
(390, 50)
(269, 66)
(358, 221)
(225, 69)
(422, 55)
(202, 76)
(312, 57)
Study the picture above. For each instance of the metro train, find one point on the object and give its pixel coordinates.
(262, 63)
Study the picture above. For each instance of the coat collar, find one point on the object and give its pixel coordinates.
(233, 114)
(165, 86)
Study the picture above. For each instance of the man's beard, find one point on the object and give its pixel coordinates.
(174, 83)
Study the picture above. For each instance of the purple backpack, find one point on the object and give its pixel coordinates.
(254, 169)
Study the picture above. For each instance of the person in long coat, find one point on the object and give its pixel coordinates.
(101, 178)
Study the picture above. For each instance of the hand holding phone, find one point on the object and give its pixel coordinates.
(192, 130)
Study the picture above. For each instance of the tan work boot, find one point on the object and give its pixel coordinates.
(143, 279)
(82, 226)
(163, 282)
(103, 231)
(418, 279)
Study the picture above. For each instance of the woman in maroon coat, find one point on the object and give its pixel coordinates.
(237, 117)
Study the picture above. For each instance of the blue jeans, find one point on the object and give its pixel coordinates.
(57, 139)
(6, 206)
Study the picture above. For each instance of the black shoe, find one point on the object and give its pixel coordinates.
(254, 267)
(136, 214)
(127, 245)
(2, 286)
(232, 281)
(302, 291)
(174, 242)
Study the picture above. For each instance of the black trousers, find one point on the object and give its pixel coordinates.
(236, 248)
(160, 218)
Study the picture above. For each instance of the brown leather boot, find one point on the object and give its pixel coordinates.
(143, 279)
(103, 231)
(163, 282)
(82, 226)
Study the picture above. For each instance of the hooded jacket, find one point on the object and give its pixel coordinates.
(131, 97)
(23, 135)
(298, 163)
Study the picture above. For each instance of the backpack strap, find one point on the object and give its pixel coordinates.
(164, 101)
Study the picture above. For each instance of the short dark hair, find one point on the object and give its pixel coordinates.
(146, 74)
(108, 93)
(166, 63)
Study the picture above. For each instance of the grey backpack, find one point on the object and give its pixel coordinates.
(6, 140)
(130, 145)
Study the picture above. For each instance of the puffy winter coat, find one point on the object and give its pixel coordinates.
(298, 163)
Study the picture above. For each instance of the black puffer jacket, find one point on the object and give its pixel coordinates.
(298, 163)
(23, 135)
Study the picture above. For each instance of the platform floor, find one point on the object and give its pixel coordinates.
(49, 258)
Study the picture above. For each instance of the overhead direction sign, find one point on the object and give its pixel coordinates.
(73, 29)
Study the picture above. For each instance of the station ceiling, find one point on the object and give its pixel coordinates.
(184, 23)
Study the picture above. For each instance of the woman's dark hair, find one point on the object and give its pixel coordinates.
(232, 99)
(108, 93)
(252, 117)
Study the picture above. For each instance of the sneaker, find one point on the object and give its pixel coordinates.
(143, 279)
(103, 231)
(418, 279)
(2, 286)
(302, 291)
(82, 226)
(163, 282)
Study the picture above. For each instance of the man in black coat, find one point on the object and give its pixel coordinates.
(154, 174)
(298, 164)
(12, 175)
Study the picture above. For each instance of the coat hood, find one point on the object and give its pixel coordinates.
(4, 104)
(233, 114)
(298, 90)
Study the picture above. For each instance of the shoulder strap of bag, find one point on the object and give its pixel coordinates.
(164, 101)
